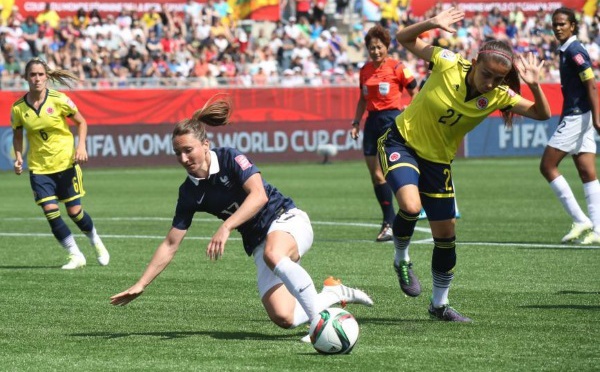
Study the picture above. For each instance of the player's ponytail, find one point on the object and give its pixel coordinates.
(215, 113)
(502, 52)
(60, 76)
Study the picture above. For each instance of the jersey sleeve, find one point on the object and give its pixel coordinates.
(508, 98)
(241, 166)
(404, 76)
(580, 59)
(184, 213)
(15, 118)
(68, 106)
(442, 59)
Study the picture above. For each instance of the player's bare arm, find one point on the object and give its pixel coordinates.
(409, 36)
(162, 257)
(256, 199)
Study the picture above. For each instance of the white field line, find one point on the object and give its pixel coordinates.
(356, 224)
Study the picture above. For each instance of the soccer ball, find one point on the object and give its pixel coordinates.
(334, 331)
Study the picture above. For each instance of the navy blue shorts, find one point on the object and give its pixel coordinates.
(402, 166)
(375, 126)
(65, 186)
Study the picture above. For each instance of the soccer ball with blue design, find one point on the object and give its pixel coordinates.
(334, 331)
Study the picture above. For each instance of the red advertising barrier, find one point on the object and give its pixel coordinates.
(472, 6)
(133, 127)
(262, 10)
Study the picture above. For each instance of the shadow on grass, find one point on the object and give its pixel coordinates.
(170, 335)
(573, 307)
(578, 292)
(28, 267)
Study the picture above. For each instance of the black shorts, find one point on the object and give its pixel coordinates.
(402, 166)
(65, 186)
(375, 126)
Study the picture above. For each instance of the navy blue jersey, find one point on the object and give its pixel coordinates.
(575, 68)
(221, 194)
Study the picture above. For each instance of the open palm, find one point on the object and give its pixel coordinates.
(529, 68)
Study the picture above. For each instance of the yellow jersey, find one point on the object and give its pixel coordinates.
(51, 143)
(440, 115)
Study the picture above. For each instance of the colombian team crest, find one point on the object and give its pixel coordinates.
(50, 110)
(482, 103)
(394, 156)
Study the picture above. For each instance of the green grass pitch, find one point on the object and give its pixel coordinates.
(535, 303)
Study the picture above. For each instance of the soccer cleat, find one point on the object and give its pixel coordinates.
(447, 314)
(592, 238)
(306, 338)
(385, 234)
(577, 230)
(409, 283)
(346, 295)
(101, 253)
(422, 215)
(75, 262)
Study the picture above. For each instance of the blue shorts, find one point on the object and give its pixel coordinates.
(402, 166)
(65, 186)
(375, 126)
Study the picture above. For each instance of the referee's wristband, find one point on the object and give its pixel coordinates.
(355, 123)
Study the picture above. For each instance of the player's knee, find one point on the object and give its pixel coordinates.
(281, 319)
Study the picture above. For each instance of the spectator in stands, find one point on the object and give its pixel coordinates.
(31, 35)
(152, 21)
(222, 8)
(48, 15)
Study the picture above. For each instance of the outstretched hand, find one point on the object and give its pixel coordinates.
(447, 18)
(529, 68)
(127, 296)
(216, 246)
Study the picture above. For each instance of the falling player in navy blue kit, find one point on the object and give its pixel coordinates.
(226, 184)
(579, 121)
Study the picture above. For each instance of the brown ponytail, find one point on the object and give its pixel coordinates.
(215, 113)
(60, 76)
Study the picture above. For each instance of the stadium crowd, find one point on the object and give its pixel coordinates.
(205, 46)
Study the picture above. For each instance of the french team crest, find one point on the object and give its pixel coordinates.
(394, 156)
(482, 103)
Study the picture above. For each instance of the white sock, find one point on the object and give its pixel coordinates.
(564, 193)
(592, 197)
(300, 285)
(440, 296)
(324, 301)
(93, 236)
(70, 245)
(401, 251)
